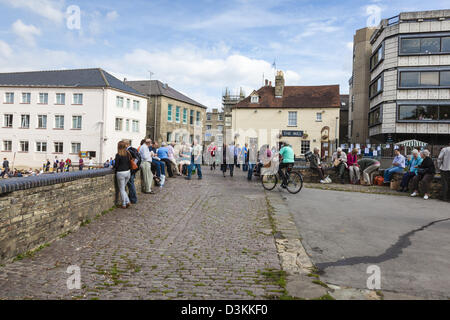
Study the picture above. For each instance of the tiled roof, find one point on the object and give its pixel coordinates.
(84, 78)
(157, 88)
(295, 97)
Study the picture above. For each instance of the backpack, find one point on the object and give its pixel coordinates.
(135, 154)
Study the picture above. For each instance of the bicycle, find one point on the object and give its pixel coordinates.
(294, 180)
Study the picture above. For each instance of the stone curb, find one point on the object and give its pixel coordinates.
(296, 262)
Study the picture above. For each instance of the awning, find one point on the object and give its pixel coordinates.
(412, 143)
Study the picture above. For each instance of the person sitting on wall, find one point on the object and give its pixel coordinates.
(353, 167)
(368, 166)
(425, 173)
(339, 160)
(315, 163)
(398, 165)
(412, 170)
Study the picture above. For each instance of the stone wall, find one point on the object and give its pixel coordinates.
(37, 212)
(309, 176)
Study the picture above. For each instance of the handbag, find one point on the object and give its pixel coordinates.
(133, 164)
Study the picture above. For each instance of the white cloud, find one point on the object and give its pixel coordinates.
(314, 28)
(5, 49)
(112, 15)
(26, 32)
(49, 9)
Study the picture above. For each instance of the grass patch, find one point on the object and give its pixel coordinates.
(200, 284)
(31, 253)
(250, 293)
(320, 283)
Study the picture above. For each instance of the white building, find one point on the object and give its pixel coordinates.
(44, 114)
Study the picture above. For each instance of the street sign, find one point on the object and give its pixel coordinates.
(292, 133)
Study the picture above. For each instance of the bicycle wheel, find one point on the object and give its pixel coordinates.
(269, 181)
(295, 182)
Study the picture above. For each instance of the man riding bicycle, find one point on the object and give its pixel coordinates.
(286, 160)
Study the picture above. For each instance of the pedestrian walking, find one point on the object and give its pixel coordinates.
(444, 168)
(196, 161)
(122, 168)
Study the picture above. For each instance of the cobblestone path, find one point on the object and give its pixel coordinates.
(199, 239)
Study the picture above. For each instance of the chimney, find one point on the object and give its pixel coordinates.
(124, 79)
(267, 82)
(270, 83)
(279, 84)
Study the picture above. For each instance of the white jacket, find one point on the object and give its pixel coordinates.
(444, 159)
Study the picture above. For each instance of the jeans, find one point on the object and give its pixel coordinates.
(160, 170)
(445, 179)
(245, 167)
(122, 179)
(389, 172)
(168, 164)
(197, 166)
(405, 180)
(132, 188)
(231, 166)
(251, 166)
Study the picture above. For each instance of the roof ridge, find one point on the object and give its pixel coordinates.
(59, 70)
(103, 77)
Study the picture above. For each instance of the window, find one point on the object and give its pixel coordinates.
(26, 97)
(376, 87)
(76, 147)
(9, 97)
(319, 116)
(208, 127)
(25, 121)
(42, 121)
(424, 113)
(228, 121)
(119, 102)
(305, 147)
(127, 125)
(220, 128)
(169, 136)
(23, 146)
(426, 45)
(59, 122)
(60, 98)
(7, 145)
(76, 122)
(135, 125)
(169, 112)
(197, 118)
(177, 114)
(191, 117)
(375, 117)
(59, 147)
(185, 115)
(254, 99)
(128, 103)
(41, 146)
(8, 121)
(43, 98)
(77, 98)
(425, 79)
(119, 124)
(220, 117)
(208, 116)
(135, 105)
(292, 118)
(377, 57)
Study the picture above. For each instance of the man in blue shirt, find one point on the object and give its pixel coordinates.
(163, 154)
(398, 165)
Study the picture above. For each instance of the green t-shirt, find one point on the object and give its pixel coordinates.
(288, 154)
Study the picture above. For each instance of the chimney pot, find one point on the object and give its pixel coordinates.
(270, 83)
(267, 82)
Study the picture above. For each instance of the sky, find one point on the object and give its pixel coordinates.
(198, 47)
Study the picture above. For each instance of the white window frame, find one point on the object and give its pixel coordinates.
(135, 125)
(24, 146)
(60, 99)
(319, 117)
(118, 121)
(79, 122)
(119, 102)
(58, 124)
(43, 98)
(72, 144)
(42, 117)
(7, 143)
(79, 99)
(128, 103)
(26, 100)
(40, 146)
(291, 120)
(27, 123)
(9, 97)
(59, 143)
(136, 105)
(254, 99)
(8, 120)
